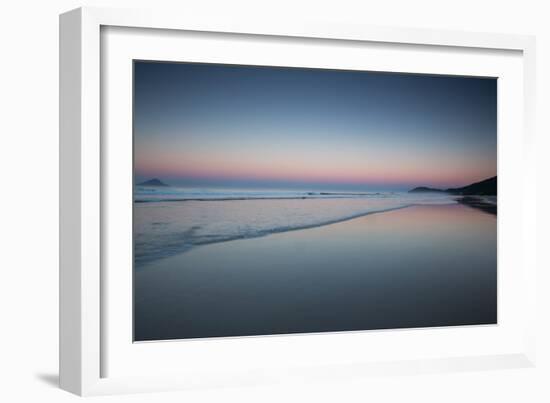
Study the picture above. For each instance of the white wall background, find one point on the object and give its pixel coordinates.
(29, 202)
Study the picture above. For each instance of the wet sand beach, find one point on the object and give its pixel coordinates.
(414, 267)
(484, 203)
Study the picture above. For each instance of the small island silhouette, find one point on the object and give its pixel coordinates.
(153, 182)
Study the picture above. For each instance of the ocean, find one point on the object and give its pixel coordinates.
(173, 220)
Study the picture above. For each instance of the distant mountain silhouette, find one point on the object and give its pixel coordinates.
(487, 187)
(153, 182)
(424, 189)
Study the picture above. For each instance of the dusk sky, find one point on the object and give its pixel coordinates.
(244, 126)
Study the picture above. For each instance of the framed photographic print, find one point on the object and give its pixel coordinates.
(275, 200)
(298, 202)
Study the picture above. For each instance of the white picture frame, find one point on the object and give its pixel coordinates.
(86, 345)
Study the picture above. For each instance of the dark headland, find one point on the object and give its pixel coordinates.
(473, 195)
(487, 187)
(153, 182)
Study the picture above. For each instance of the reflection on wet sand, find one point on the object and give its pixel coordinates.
(415, 267)
(480, 203)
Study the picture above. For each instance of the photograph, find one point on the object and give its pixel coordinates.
(275, 200)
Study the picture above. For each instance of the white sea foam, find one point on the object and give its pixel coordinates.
(170, 221)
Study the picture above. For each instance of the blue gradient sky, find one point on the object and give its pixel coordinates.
(220, 125)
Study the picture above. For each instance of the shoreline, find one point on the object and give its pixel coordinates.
(476, 202)
(277, 231)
